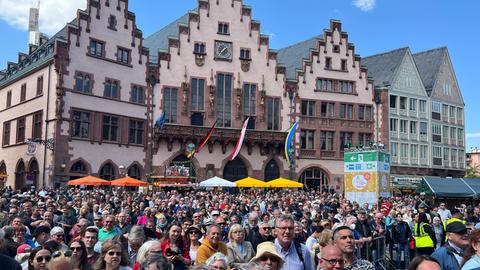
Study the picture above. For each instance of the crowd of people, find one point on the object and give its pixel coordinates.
(66, 229)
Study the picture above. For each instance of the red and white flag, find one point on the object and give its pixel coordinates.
(238, 146)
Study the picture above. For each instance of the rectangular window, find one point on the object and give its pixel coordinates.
(446, 154)
(224, 100)
(436, 110)
(344, 65)
(324, 85)
(111, 89)
(454, 155)
(403, 150)
(393, 125)
(393, 101)
(96, 48)
(198, 95)
(403, 126)
(9, 99)
(350, 111)
(6, 133)
(323, 109)
(445, 112)
(170, 104)
(403, 103)
(413, 127)
(368, 113)
(345, 138)
(460, 115)
(23, 92)
(436, 152)
(452, 114)
(413, 105)
(423, 128)
(326, 140)
(110, 128)
(135, 132)
(40, 85)
(394, 149)
(112, 22)
(461, 157)
(445, 134)
(331, 109)
(199, 48)
(137, 95)
(245, 54)
(364, 138)
(308, 108)
(21, 130)
(81, 124)
(423, 151)
(273, 113)
(83, 82)
(453, 134)
(223, 28)
(37, 125)
(460, 136)
(307, 138)
(414, 151)
(361, 112)
(249, 99)
(436, 132)
(422, 106)
(346, 87)
(343, 108)
(123, 55)
(328, 62)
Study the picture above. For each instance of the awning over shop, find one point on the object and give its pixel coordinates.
(447, 187)
(474, 183)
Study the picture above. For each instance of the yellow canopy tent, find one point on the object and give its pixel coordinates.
(250, 182)
(284, 183)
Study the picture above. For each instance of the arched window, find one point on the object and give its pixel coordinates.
(235, 170)
(314, 177)
(107, 172)
(32, 176)
(3, 173)
(134, 172)
(271, 171)
(79, 168)
(20, 175)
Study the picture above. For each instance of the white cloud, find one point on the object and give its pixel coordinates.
(473, 135)
(54, 14)
(364, 5)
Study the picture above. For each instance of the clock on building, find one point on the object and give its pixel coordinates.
(223, 50)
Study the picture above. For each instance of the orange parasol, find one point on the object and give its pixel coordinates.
(89, 181)
(128, 182)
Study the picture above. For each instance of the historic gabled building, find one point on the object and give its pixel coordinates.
(215, 65)
(408, 110)
(447, 112)
(334, 103)
(82, 96)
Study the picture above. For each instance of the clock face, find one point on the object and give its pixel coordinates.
(223, 50)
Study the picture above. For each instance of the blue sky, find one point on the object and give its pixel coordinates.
(373, 26)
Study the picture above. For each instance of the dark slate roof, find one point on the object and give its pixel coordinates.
(159, 40)
(428, 64)
(41, 55)
(447, 187)
(292, 56)
(382, 67)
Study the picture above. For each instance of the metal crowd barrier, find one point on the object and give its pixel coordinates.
(375, 252)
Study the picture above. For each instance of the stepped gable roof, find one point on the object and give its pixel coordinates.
(383, 67)
(292, 56)
(159, 40)
(38, 57)
(428, 64)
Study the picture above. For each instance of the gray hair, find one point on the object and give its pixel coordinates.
(143, 250)
(217, 257)
(283, 218)
(136, 234)
(252, 215)
(209, 228)
(160, 261)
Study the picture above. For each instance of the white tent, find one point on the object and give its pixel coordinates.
(216, 182)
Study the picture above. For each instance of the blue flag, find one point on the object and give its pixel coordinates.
(160, 122)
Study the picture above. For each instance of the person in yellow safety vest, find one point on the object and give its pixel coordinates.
(456, 216)
(425, 240)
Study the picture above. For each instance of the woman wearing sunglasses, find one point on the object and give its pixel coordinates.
(39, 258)
(79, 255)
(112, 257)
(192, 240)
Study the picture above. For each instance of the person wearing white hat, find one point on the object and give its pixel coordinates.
(268, 257)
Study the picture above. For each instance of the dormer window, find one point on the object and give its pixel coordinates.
(328, 62)
(245, 54)
(199, 48)
(223, 28)
(336, 48)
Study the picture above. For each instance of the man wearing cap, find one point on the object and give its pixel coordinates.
(268, 257)
(57, 234)
(41, 234)
(331, 258)
(424, 202)
(450, 255)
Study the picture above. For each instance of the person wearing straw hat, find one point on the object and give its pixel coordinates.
(268, 257)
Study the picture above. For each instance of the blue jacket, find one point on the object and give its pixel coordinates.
(445, 256)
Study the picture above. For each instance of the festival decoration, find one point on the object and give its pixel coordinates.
(238, 146)
(288, 143)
